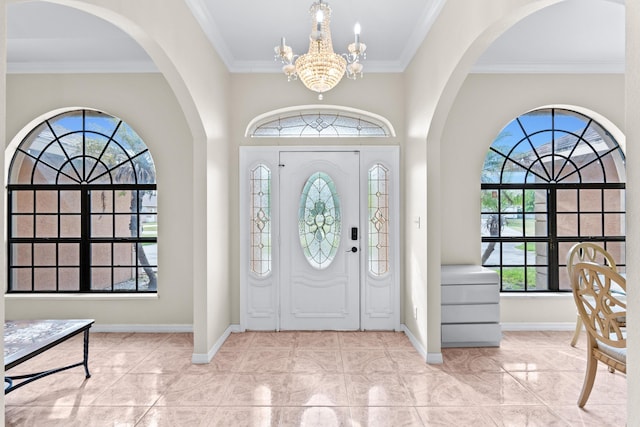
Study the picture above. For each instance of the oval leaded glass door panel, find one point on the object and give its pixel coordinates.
(319, 220)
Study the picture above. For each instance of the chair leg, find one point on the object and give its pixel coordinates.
(589, 379)
(576, 334)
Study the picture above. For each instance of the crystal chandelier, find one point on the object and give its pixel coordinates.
(320, 69)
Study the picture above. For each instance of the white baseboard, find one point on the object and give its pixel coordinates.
(204, 358)
(539, 326)
(431, 358)
(142, 328)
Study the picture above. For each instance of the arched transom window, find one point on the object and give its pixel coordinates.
(319, 121)
(552, 178)
(82, 211)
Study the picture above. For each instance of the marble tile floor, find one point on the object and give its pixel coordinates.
(352, 379)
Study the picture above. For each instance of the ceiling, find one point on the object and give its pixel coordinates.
(572, 36)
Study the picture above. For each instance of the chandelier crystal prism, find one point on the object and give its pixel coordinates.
(321, 69)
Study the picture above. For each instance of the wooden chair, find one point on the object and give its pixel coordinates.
(600, 311)
(581, 252)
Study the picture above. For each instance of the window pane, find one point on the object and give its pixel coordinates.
(378, 183)
(70, 202)
(513, 278)
(22, 201)
(319, 220)
(21, 254)
(44, 254)
(147, 279)
(124, 279)
(124, 254)
(101, 254)
(567, 200)
(260, 221)
(614, 225)
(47, 226)
(491, 225)
(46, 201)
(567, 224)
(150, 225)
(590, 200)
(614, 200)
(591, 225)
(321, 124)
(537, 278)
(148, 255)
(564, 282)
(490, 253)
(22, 225)
(21, 279)
(101, 225)
(536, 225)
(70, 226)
(68, 254)
(126, 225)
(69, 279)
(513, 253)
(144, 169)
(45, 279)
(536, 253)
(101, 201)
(101, 279)
(618, 251)
(126, 201)
(512, 227)
(21, 168)
(563, 251)
(489, 200)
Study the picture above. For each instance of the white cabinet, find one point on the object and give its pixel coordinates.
(470, 306)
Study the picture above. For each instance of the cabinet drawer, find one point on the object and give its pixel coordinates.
(475, 313)
(471, 294)
(479, 334)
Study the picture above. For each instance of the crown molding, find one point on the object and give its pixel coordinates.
(89, 67)
(611, 67)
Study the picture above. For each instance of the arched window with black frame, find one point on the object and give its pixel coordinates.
(552, 178)
(82, 208)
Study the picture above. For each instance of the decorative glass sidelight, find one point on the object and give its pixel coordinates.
(260, 228)
(319, 220)
(378, 183)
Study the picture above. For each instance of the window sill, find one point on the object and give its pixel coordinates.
(537, 295)
(81, 297)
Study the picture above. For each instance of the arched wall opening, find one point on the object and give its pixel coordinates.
(205, 138)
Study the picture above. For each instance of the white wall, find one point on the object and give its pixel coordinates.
(462, 31)
(484, 105)
(146, 103)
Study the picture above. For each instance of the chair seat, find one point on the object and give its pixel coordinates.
(614, 352)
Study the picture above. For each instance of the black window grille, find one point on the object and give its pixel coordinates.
(82, 211)
(552, 178)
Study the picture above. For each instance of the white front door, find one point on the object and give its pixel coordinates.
(319, 240)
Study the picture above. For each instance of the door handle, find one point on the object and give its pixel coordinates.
(353, 249)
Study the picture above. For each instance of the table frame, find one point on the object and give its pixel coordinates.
(39, 348)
